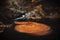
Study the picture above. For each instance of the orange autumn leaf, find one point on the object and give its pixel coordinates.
(32, 28)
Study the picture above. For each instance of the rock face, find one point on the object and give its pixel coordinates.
(35, 9)
(14, 8)
(32, 28)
